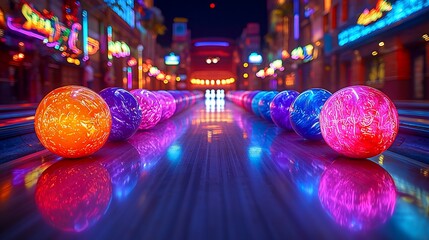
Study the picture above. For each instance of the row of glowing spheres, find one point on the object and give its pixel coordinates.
(356, 121)
(74, 121)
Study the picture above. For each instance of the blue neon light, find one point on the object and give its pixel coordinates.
(211, 44)
(401, 9)
(85, 34)
(296, 19)
(124, 8)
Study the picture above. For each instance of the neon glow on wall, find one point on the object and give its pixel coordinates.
(401, 10)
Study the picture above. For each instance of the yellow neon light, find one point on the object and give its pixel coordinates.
(369, 16)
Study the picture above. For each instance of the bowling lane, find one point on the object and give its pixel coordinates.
(214, 172)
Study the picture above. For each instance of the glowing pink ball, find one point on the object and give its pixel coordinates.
(151, 109)
(359, 122)
(167, 103)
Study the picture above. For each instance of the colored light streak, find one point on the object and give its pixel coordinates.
(109, 39)
(130, 78)
(211, 44)
(401, 9)
(296, 19)
(140, 65)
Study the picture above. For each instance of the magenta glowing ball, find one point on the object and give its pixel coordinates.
(167, 103)
(359, 122)
(151, 109)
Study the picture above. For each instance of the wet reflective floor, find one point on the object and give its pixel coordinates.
(214, 172)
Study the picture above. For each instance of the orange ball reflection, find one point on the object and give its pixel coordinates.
(72, 121)
(73, 195)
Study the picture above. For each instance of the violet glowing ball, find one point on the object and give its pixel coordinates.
(358, 195)
(125, 111)
(168, 104)
(264, 105)
(280, 108)
(305, 111)
(359, 122)
(150, 107)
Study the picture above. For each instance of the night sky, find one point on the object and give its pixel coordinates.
(227, 19)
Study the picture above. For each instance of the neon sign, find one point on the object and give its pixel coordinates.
(124, 9)
(172, 59)
(93, 46)
(304, 53)
(116, 48)
(369, 16)
(49, 30)
(255, 58)
(401, 10)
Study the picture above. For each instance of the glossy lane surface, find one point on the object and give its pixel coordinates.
(214, 172)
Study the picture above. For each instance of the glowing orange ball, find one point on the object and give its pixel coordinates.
(72, 121)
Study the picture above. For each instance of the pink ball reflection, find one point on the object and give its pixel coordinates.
(73, 195)
(151, 109)
(359, 122)
(359, 195)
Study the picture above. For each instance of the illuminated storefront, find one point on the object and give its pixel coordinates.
(385, 47)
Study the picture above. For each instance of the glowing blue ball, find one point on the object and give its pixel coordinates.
(125, 111)
(255, 102)
(280, 108)
(264, 105)
(305, 111)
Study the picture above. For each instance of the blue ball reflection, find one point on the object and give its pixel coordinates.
(305, 111)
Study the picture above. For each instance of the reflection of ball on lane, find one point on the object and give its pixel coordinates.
(73, 195)
(305, 111)
(151, 109)
(280, 108)
(359, 121)
(125, 111)
(72, 121)
(358, 195)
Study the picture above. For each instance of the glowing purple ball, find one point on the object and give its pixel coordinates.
(280, 108)
(150, 107)
(125, 111)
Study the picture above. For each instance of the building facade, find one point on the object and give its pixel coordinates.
(46, 44)
(337, 43)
